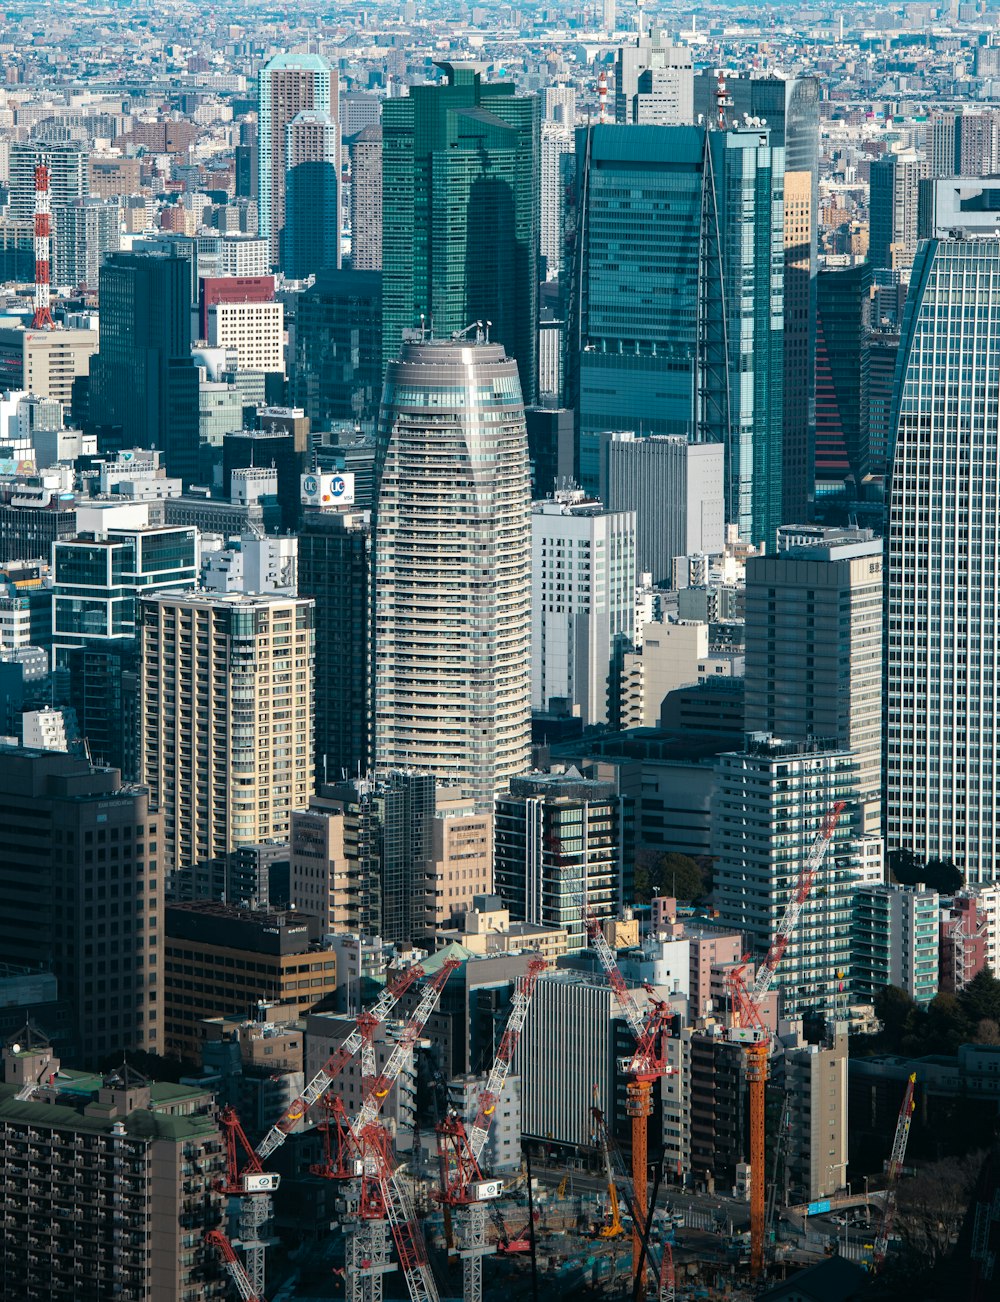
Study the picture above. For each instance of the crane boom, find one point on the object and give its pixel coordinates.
(609, 963)
(793, 910)
(336, 1063)
(376, 1090)
(233, 1265)
(490, 1097)
(893, 1172)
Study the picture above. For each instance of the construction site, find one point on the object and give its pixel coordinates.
(613, 1224)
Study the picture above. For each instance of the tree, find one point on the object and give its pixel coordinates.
(896, 1010)
(980, 999)
(667, 873)
(940, 875)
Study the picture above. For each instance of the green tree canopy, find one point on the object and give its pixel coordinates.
(659, 872)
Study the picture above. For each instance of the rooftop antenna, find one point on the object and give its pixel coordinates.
(723, 99)
(602, 97)
(639, 16)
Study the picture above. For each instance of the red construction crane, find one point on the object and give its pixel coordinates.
(749, 1030)
(459, 1154)
(647, 1064)
(667, 1291)
(384, 1199)
(893, 1173)
(321, 1082)
(233, 1265)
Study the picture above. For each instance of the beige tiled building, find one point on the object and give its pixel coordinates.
(226, 708)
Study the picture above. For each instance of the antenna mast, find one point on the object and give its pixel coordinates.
(42, 320)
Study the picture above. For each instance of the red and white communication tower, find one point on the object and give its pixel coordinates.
(42, 319)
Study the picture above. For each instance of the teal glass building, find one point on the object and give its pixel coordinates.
(461, 175)
(677, 301)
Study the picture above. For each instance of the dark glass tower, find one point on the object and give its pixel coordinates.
(141, 378)
(461, 175)
(338, 369)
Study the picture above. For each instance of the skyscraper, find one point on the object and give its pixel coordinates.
(334, 569)
(225, 725)
(842, 354)
(337, 371)
(366, 199)
(145, 346)
(452, 577)
(790, 107)
(942, 631)
(654, 82)
(287, 85)
(813, 650)
(556, 141)
(85, 230)
(310, 240)
(460, 214)
(687, 339)
(895, 189)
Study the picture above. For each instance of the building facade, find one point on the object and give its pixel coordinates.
(583, 576)
(942, 714)
(366, 199)
(452, 575)
(311, 234)
(460, 214)
(814, 651)
(895, 941)
(562, 842)
(288, 84)
(225, 725)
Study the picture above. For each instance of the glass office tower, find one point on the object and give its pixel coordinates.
(942, 627)
(461, 174)
(677, 301)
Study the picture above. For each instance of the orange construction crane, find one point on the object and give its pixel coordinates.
(749, 1030)
(647, 1064)
(893, 1173)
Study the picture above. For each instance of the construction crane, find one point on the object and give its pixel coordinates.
(247, 1180)
(232, 1263)
(612, 1227)
(646, 1065)
(460, 1155)
(667, 1290)
(324, 1078)
(749, 1030)
(360, 1148)
(892, 1175)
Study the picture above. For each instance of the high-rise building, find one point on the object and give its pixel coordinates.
(287, 85)
(814, 651)
(225, 725)
(337, 371)
(895, 941)
(281, 443)
(654, 82)
(85, 231)
(556, 141)
(81, 892)
(675, 489)
(255, 331)
(104, 692)
(311, 234)
(69, 176)
(366, 199)
(452, 572)
(122, 1183)
(668, 346)
(144, 358)
(964, 143)
(769, 803)
(335, 570)
(842, 412)
(583, 577)
(942, 713)
(460, 172)
(894, 205)
(790, 107)
(562, 841)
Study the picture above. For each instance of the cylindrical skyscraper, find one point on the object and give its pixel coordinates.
(942, 604)
(452, 570)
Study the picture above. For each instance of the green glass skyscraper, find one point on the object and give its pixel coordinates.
(460, 214)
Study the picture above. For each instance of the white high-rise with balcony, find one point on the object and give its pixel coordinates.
(451, 585)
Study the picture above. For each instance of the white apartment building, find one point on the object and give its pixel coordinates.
(583, 575)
